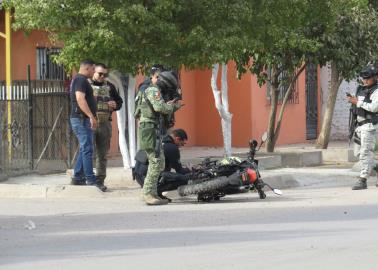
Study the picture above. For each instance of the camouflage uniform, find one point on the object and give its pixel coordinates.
(366, 133)
(148, 129)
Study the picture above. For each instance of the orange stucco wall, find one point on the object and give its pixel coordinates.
(186, 117)
(23, 53)
(293, 128)
(207, 120)
(248, 105)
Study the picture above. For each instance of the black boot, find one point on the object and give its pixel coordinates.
(161, 196)
(78, 182)
(100, 185)
(376, 170)
(360, 184)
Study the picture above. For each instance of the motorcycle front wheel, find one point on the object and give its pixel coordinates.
(203, 187)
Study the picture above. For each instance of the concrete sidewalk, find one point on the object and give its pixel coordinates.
(291, 166)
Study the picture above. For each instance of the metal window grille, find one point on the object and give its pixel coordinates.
(47, 69)
(283, 78)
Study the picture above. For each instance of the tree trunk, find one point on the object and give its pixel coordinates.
(273, 111)
(325, 131)
(221, 103)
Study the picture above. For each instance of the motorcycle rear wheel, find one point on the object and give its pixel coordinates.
(203, 187)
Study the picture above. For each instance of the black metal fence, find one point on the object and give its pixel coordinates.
(34, 128)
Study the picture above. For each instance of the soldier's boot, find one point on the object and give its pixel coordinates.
(360, 184)
(100, 185)
(376, 170)
(161, 196)
(150, 199)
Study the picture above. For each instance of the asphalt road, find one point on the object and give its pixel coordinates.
(324, 228)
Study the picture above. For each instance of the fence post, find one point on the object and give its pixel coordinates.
(30, 121)
(68, 132)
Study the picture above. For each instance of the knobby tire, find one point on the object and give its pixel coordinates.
(203, 187)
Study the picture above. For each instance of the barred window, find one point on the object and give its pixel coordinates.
(47, 69)
(283, 78)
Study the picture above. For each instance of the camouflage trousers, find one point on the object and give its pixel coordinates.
(365, 151)
(155, 167)
(103, 135)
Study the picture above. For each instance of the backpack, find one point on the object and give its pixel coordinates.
(141, 166)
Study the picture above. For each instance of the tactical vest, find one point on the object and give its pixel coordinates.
(143, 107)
(102, 95)
(368, 117)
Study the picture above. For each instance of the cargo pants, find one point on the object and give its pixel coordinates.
(365, 152)
(103, 135)
(155, 167)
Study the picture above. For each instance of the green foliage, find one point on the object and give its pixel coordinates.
(352, 44)
(287, 32)
(131, 35)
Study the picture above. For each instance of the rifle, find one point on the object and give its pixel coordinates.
(352, 122)
(160, 132)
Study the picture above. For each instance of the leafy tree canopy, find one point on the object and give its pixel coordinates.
(353, 42)
(287, 31)
(131, 35)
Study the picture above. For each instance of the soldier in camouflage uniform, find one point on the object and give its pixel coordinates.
(149, 110)
(108, 100)
(365, 110)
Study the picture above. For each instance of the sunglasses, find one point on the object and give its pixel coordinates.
(101, 74)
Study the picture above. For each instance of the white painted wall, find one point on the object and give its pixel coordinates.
(339, 129)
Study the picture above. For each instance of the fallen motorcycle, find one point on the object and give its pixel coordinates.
(213, 179)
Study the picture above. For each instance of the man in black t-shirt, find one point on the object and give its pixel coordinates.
(83, 122)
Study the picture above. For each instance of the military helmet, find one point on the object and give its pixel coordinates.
(368, 72)
(156, 68)
(167, 80)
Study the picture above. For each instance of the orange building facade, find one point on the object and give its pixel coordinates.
(248, 102)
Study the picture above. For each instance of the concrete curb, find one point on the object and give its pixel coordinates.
(45, 191)
(121, 184)
(118, 189)
(339, 154)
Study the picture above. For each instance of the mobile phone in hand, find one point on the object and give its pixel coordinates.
(348, 94)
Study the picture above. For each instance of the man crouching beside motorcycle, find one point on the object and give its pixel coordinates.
(168, 180)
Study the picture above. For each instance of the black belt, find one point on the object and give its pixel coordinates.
(366, 121)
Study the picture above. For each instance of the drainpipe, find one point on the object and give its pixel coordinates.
(8, 75)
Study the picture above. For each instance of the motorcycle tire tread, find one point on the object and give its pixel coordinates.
(203, 187)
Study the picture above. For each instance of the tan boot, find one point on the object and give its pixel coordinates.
(153, 200)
